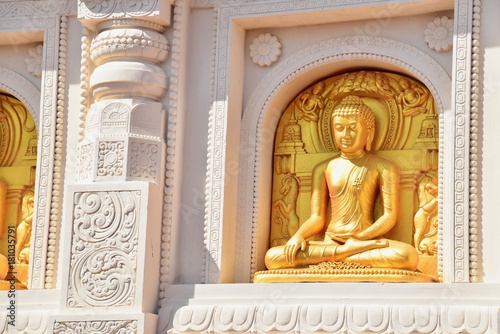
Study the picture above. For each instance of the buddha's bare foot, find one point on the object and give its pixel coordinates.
(354, 246)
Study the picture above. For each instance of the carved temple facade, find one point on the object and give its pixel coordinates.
(152, 151)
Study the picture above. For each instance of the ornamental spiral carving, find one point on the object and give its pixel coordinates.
(104, 249)
(110, 158)
(103, 277)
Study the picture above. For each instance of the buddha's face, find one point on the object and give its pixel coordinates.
(351, 133)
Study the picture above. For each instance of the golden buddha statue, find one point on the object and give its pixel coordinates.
(349, 185)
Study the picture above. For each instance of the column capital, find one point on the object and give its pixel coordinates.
(93, 12)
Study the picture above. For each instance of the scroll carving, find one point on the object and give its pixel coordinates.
(104, 249)
(94, 9)
(110, 160)
(104, 327)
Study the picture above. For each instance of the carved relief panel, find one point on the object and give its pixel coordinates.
(104, 249)
(406, 133)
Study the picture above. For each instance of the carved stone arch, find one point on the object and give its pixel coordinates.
(275, 92)
(20, 87)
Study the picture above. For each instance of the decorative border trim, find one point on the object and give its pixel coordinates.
(456, 203)
(473, 159)
(45, 166)
(104, 327)
(211, 120)
(58, 167)
(85, 97)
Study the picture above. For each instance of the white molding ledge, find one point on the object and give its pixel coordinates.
(322, 307)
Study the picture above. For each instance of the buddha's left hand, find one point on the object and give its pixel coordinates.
(292, 247)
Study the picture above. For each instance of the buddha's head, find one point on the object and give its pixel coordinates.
(353, 125)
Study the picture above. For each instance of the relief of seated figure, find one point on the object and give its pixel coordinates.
(349, 184)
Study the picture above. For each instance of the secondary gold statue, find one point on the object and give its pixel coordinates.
(349, 184)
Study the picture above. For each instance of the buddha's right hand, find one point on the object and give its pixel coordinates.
(292, 247)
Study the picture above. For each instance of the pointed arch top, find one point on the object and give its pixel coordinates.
(25, 91)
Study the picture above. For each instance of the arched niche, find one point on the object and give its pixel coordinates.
(18, 157)
(276, 91)
(28, 95)
(21, 88)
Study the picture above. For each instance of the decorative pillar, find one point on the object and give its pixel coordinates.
(112, 238)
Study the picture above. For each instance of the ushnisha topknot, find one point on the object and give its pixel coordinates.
(353, 106)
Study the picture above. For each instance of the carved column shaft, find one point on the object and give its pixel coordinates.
(113, 245)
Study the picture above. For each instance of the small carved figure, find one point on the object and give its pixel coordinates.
(412, 97)
(311, 102)
(349, 185)
(286, 215)
(425, 220)
(23, 231)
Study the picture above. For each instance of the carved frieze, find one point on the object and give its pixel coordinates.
(341, 318)
(108, 9)
(104, 249)
(143, 43)
(35, 9)
(103, 327)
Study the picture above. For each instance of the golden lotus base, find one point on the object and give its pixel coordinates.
(341, 275)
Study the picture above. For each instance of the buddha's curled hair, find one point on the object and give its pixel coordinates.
(352, 105)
